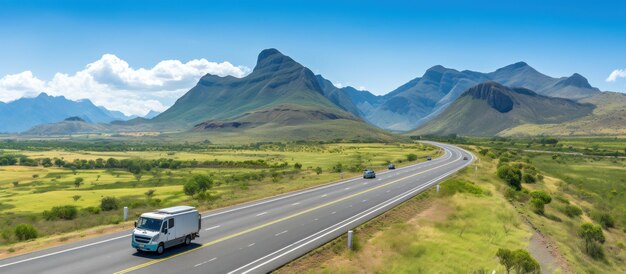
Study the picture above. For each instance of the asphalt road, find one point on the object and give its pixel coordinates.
(256, 237)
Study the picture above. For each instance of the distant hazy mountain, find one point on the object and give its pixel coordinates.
(24, 113)
(71, 125)
(151, 114)
(423, 98)
(489, 108)
(280, 97)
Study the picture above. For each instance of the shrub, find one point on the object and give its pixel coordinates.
(541, 195)
(539, 200)
(529, 178)
(297, 166)
(511, 175)
(190, 188)
(76, 197)
(605, 219)
(519, 259)
(411, 157)
(25, 232)
(92, 210)
(593, 237)
(67, 212)
(318, 170)
(109, 203)
(16, 184)
(538, 206)
(572, 211)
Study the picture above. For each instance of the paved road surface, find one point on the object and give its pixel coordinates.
(256, 237)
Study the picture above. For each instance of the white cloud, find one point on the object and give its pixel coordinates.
(361, 88)
(338, 84)
(618, 73)
(111, 82)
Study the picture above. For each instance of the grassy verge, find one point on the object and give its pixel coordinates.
(458, 230)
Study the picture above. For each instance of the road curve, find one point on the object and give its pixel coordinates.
(255, 237)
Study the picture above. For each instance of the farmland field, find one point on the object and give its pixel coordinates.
(238, 174)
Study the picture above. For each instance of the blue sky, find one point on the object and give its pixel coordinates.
(378, 45)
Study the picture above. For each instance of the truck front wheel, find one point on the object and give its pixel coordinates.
(188, 240)
(160, 249)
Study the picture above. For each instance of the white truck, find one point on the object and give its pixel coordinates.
(155, 231)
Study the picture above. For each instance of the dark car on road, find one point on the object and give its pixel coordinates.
(428, 158)
(369, 174)
(391, 166)
(465, 158)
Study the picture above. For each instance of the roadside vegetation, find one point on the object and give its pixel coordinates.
(50, 190)
(518, 212)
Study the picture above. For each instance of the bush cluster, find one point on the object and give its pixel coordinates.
(66, 212)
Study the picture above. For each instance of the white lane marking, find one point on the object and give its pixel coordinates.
(251, 244)
(379, 179)
(350, 206)
(64, 251)
(347, 188)
(365, 183)
(324, 195)
(363, 201)
(280, 233)
(447, 153)
(387, 191)
(317, 219)
(262, 213)
(205, 262)
(340, 225)
(295, 204)
(213, 227)
(334, 212)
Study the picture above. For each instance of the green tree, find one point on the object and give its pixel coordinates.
(78, 181)
(76, 197)
(109, 203)
(190, 188)
(506, 259)
(25, 232)
(592, 235)
(318, 170)
(297, 166)
(411, 157)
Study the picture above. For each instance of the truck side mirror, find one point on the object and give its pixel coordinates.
(135, 223)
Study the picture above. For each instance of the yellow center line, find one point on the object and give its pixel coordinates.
(276, 221)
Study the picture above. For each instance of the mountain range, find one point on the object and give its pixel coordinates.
(25, 113)
(423, 98)
(489, 108)
(281, 98)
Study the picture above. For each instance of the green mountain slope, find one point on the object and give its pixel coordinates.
(490, 108)
(608, 118)
(280, 96)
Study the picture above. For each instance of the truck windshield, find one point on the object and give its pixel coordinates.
(149, 224)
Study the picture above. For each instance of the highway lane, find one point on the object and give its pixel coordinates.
(255, 237)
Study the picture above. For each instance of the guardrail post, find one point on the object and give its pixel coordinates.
(438, 188)
(125, 213)
(350, 239)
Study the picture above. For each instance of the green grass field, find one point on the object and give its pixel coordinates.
(26, 192)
